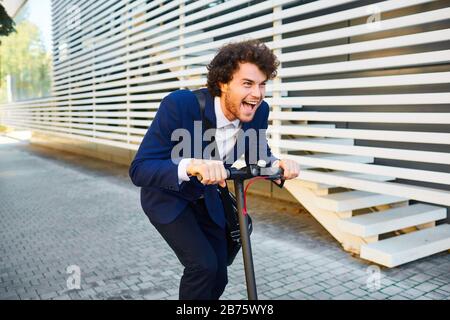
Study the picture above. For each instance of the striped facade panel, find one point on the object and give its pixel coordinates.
(358, 78)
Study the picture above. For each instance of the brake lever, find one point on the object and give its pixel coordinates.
(277, 176)
(279, 185)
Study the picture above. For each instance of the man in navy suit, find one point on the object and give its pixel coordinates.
(187, 213)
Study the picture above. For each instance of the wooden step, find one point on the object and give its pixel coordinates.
(354, 200)
(322, 186)
(372, 224)
(338, 157)
(408, 247)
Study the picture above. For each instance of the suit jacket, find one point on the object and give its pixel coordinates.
(153, 169)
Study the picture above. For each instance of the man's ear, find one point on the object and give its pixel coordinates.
(223, 87)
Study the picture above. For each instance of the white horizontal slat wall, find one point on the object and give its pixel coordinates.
(384, 85)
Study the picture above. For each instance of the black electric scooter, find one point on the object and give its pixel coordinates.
(238, 176)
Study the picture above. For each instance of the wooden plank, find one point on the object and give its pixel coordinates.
(362, 167)
(353, 200)
(385, 221)
(419, 193)
(398, 250)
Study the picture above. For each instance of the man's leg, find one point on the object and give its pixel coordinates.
(195, 253)
(217, 238)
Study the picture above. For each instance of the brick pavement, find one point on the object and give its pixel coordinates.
(59, 209)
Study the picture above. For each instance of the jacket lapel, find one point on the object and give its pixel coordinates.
(210, 113)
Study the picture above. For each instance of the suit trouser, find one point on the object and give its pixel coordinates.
(201, 247)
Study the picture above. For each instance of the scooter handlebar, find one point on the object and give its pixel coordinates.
(254, 171)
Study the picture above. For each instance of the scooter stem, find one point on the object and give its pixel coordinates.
(245, 241)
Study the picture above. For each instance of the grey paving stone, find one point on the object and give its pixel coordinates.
(358, 292)
(280, 291)
(392, 290)
(275, 284)
(344, 296)
(445, 293)
(337, 290)
(156, 295)
(283, 297)
(398, 297)
(295, 286)
(351, 284)
(62, 297)
(49, 295)
(412, 293)
(312, 289)
(322, 295)
(426, 287)
(424, 298)
(407, 284)
(299, 295)
(421, 277)
(377, 296)
(436, 295)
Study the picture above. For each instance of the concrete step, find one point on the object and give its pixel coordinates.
(398, 250)
(354, 200)
(372, 224)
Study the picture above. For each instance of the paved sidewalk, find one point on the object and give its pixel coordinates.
(59, 210)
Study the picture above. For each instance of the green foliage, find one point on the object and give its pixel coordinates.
(6, 23)
(23, 56)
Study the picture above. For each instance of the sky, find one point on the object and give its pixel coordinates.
(39, 12)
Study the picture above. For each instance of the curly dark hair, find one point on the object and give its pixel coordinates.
(226, 62)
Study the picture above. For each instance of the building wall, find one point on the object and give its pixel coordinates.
(12, 7)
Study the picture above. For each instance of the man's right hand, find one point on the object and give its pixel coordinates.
(210, 171)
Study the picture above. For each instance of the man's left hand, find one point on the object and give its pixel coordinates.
(291, 169)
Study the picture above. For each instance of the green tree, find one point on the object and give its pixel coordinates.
(23, 56)
(6, 23)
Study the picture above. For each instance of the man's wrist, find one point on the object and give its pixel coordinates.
(188, 168)
(183, 169)
(276, 163)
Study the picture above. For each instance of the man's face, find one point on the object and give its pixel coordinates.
(242, 96)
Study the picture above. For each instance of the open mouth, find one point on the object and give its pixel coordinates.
(249, 106)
